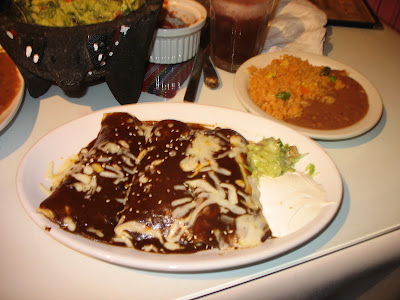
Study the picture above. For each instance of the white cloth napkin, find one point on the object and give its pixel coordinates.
(298, 25)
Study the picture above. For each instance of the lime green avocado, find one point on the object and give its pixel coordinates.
(67, 13)
(270, 157)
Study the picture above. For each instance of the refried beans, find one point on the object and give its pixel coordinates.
(350, 106)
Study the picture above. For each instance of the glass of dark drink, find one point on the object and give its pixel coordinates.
(238, 30)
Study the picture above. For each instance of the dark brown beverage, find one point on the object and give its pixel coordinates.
(238, 31)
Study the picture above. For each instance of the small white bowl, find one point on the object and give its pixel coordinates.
(176, 45)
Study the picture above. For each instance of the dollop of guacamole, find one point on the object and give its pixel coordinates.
(270, 157)
(67, 13)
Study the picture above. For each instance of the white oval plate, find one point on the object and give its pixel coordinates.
(70, 138)
(7, 115)
(373, 116)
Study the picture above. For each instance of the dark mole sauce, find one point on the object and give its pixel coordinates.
(151, 189)
(151, 201)
(97, 211)
(9, 81)
(350, 106)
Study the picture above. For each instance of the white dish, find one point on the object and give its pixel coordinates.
(176, 45)
(9, 113)
(64, 141)
(369, 121)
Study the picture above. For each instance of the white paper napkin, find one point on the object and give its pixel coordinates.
(298, 25)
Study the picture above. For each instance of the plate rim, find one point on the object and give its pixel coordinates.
(370, 120)
(180, 263)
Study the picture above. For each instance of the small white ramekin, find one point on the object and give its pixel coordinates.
(176, 45)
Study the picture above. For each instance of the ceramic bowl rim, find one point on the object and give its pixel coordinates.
(194, 6)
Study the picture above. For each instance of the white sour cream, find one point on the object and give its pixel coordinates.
(290, 201)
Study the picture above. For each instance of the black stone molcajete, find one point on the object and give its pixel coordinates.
(72, 57)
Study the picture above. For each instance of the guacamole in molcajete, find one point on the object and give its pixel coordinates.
(66, 13)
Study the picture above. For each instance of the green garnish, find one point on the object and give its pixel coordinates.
(270, 157)
(332, 78)
(283, 95)
(311, 169)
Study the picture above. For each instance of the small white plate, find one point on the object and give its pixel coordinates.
(8, 114)
(70, 138)
(372, 117)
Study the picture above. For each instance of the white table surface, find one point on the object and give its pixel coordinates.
(365, 232)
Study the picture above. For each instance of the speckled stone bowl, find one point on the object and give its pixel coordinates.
(73, 57)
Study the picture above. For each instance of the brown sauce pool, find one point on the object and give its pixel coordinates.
(350, 106)
(9, 81)
(170, 20)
